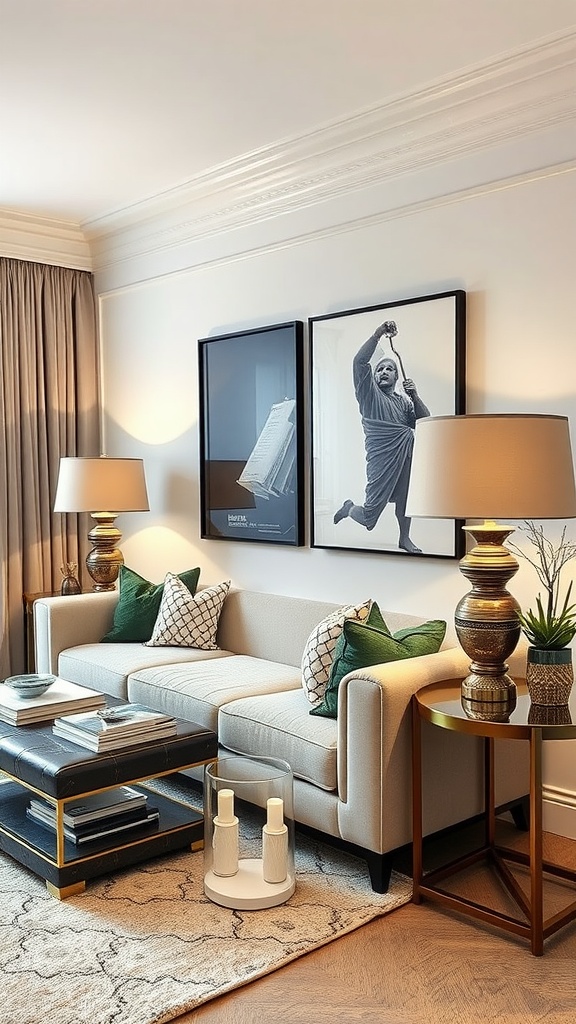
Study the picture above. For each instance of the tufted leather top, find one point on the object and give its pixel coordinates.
(61, 769)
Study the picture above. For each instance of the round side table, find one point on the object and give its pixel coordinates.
(441, 705)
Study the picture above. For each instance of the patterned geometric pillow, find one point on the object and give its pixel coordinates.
(319, 649)
(187, 621)
(138, 606)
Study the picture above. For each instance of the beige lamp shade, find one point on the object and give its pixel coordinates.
(492, 467)
(102, 484)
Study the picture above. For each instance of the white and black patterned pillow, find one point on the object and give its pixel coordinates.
(319, 650)
(187, 621)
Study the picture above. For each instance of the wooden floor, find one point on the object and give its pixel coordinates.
(420, 965)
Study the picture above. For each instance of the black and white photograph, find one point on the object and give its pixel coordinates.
(373, 373)
(251, 435)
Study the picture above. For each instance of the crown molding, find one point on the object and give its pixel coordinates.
(486, 109)
(140, 275)
(497, 104)
(41, 240)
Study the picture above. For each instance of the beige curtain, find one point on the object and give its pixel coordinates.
(48, 408)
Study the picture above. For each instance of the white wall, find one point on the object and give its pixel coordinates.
(513, 253)
(512, 249)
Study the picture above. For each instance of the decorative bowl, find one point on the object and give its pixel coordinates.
(31, 685)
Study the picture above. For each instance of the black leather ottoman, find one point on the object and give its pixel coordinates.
(35, 761)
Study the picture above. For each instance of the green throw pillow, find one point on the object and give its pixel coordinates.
(138, 606)
(371, 643)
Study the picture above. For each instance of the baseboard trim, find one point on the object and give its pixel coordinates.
(559, 811)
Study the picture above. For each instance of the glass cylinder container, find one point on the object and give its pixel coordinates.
(248, 832)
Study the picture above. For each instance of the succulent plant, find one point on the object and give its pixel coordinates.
(549, 632)
(552, 625)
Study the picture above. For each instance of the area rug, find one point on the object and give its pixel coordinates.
(144, 945)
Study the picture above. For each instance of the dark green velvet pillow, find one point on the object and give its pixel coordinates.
(369, 643)
(138, 605)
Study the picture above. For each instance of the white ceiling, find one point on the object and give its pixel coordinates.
(105, 103)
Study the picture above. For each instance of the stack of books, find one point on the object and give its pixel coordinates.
(61, 698)
(115, 728)
(112, 813)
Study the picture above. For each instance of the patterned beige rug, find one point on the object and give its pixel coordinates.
(144, 945)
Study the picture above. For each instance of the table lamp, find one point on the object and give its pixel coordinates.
(95, 485)
(498, 466)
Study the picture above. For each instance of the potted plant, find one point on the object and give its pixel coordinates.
(551, 627)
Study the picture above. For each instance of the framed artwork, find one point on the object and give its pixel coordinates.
(251, 435)
(373, 373)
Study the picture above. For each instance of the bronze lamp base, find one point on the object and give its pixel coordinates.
(486, 618)
(105, 558)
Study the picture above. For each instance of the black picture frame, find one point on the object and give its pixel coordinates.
(429, 347)
(252, 435)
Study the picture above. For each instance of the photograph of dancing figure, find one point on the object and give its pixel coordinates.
(375, 373)
(388, 420)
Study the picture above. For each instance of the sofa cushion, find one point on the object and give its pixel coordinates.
(369, 643)
(138, 605)
(196, 692)
(319, 649)
(107, 667)
(279, 725)
(188, 621)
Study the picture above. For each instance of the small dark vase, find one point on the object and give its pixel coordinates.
(70, 582)
(549, 676)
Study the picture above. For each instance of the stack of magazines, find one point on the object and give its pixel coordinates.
(115, 812)
(114, 728)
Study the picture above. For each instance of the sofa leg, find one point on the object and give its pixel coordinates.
(521, 814)
(380, 868)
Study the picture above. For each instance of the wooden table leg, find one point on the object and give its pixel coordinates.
(416, 802)
(536, 902)
(489, 794)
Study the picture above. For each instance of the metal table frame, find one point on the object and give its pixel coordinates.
(440, 705)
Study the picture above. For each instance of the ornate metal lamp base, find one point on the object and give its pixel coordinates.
(486, 618)
(104, 561)
(483, 688)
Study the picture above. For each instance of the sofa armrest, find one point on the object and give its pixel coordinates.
(375, 744)
(63, 622)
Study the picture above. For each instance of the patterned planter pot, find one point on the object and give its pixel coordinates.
(549, 676)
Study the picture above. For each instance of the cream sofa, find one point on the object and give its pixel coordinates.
(352, 775)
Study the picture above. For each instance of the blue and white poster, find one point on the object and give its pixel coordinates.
(251, 435)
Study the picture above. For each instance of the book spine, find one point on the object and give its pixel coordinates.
(98, 819)
(87, 817)
(152, 819)
(97, 744)
(110, 820)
